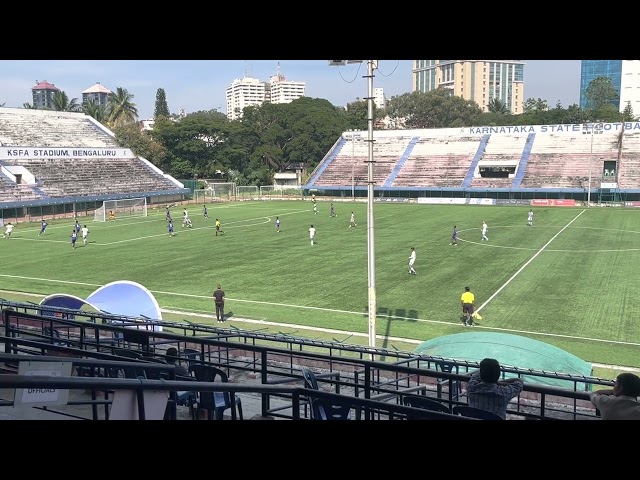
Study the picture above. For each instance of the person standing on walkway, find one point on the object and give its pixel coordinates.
(467, 300)
(218, 299)
(412, 260)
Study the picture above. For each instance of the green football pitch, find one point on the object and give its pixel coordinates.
(569, 280)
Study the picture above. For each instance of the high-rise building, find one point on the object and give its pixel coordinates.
(624, 76)
(244, 93)
(478, 80)
(97, 94)
(378, 98)
(281, 90)
(42, 95)
(251, 91)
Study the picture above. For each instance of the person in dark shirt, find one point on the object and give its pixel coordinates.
(172, 359)
(218, 298)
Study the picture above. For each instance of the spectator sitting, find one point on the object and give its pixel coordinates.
(486, 391)
(621, 401)
(172, 359)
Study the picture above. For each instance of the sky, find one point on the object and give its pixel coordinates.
(200, 84)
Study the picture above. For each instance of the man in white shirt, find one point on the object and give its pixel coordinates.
(312, 233)
(484, 231)
(85, 232)
(621, 401)
(530, 218)
(412, 260)
(352, 220)
(8, 230)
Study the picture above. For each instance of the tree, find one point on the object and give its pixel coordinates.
(498, 106)
(434, 109)
(28, 106)
(162, 109)
(60, 103)
(121, 108)
(130, 136)
(627, 114)
(532, 105)
(98, 112)
(599, 93)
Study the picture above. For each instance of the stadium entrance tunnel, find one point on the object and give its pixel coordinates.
(122, 297)
(512, 351)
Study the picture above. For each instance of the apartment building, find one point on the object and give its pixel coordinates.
(249, 91)
(481, 81)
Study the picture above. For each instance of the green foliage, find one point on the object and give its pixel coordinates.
(161, 108)
(60, 102)
(599, 93)
(498, 106)
(141, 143)
(98, 112)
(627, 114)
(435, 109)
(121, 107)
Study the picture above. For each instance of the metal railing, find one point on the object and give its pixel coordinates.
(360, 372)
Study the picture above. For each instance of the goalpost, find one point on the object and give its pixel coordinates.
(215, 192)
(126, 207)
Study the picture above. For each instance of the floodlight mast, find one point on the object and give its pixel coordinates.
(373, 309)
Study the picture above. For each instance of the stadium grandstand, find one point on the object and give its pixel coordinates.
(60, 161)
(597, 161)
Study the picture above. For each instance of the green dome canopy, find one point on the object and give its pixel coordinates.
(512, 351)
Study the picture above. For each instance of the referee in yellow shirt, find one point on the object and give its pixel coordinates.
(467, 300)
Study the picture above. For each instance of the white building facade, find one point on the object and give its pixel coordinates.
(378, 98)
(630, 86)
(251, 92)
(243, 93)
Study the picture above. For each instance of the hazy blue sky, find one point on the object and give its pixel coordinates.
(200, 84)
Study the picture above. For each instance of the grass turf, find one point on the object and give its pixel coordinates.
(570, 280)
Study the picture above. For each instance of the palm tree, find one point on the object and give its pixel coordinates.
(121, 109)
(2, 104)
(496, 105)
(28, 106)
(60, 103)
(99, 112)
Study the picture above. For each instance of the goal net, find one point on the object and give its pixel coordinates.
(215, 192)
(127, 207)
(247, 192)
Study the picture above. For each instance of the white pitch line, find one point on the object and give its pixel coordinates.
(298, 327)
(195, 312)
(528, 262)
(354, 334)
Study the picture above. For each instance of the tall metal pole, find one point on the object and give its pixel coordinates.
(353, 165)
(370, 236)
(590, 165)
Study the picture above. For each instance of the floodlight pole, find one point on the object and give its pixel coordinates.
(373, 309)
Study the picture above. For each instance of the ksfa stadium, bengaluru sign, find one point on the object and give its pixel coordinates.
(34, 153)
